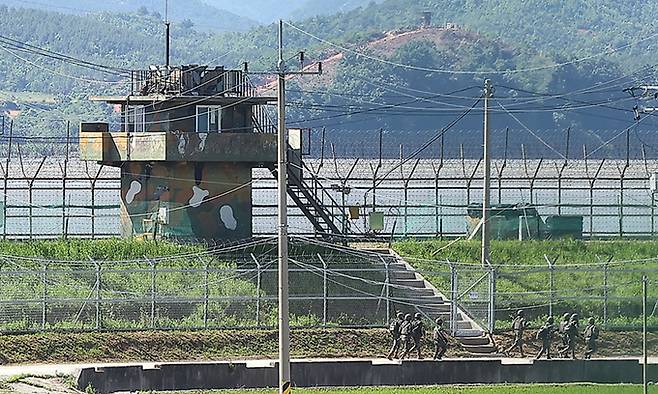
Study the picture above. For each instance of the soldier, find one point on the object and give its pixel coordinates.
(562, 330)
(591, 335)
(394, 329)
(518, 325)
(571, 332)
(545, 334)
(417, 331)
(405, 335)
(440, 338)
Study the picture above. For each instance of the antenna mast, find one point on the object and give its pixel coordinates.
(167, 33)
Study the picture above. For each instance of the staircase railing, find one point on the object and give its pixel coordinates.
(317, 196)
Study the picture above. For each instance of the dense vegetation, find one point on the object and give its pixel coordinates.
(201, 13)
(361, 94)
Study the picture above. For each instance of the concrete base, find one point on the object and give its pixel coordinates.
(354, 372)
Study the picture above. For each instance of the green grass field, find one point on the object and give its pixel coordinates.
(498, 389)
(579, 275)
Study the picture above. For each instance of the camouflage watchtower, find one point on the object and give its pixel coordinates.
(188, 139)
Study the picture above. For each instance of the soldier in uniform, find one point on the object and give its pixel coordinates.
(440, 338)
(518, 325)
(572, 334)
(562, 330)
(417, 331)
(591, 335)
(545, 334)
(394, 329)
(405, 335)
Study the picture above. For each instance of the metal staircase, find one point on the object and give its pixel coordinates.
(317, 205)
(315, 202)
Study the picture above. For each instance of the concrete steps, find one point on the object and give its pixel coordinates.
(413, 293)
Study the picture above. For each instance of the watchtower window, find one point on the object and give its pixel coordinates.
(136, 119)
(208, 119)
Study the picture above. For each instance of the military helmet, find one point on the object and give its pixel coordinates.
(520, 312)
(566, 316)
(574, 316)
(400, 315)
(407, 316)
(439, 321)
(550, 320)
(590, 320)
(417, 315)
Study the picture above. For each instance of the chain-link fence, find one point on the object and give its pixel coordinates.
(611, 292)
(423, 198)
(330, 286)
(207, 290)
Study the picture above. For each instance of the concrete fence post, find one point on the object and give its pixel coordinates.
(492, 299)
(99, 323)
(453, 300)
(258, 292)
(551, 283)
(605, 294)
(325, 292)
(153, 291)
(44, 295)
(206, 292)
(388, 290)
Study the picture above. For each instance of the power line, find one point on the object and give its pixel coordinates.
(60, 73)
(59, 56)
(469, 72)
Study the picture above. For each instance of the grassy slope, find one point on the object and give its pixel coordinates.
(577, 288)
(226, 345)
(530, 252)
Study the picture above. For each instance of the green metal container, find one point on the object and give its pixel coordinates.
(564, 226)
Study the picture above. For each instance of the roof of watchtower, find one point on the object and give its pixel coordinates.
(189, 84)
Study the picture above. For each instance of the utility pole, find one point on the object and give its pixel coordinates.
(284, 317)
(644, 334)
(285, 384)
(486, 191)
(167, 33)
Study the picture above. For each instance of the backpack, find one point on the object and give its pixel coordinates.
(542, 333)
(405, 328)
(417, 328)
(592, 332)
(394, 328)
(519, 324)
(438, 336)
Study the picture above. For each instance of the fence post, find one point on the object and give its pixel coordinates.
(437, 203)
(324, 292)
(551, 284)
(153, 290)
(388, 290)
(44, 294)
(64, 176)
(453, 300)
(258, 288)
(653, 215)
(206, 293)
(99, 323)
(492, 299)
(605, 292)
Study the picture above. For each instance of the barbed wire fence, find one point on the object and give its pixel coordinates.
(428, 198)
(330, 287)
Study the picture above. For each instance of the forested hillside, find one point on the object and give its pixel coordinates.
(600, 47)
(203, 15)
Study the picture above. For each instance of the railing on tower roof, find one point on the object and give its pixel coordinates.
(191, 80)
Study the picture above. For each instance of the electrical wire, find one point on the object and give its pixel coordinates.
(470, 72)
